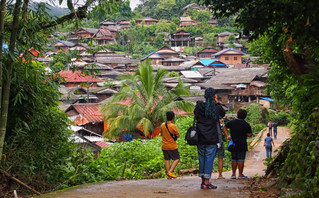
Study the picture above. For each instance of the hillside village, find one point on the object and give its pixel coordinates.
(225, 67)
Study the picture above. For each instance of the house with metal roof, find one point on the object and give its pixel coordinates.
(164, 53)
(87, 115)
(167, 52)
(173, 61)
(147, 21)
(85, 33)
(247, 84)
(107, 23)
(62, 45)
(214, 63)
(78, 79)
(124, 24)
(180, 38)
(207, 52)
(104, 37)
(230, 56)
(223, 37)
(187, 21)
(156, 58)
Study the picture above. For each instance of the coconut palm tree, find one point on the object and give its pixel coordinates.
(143, 102)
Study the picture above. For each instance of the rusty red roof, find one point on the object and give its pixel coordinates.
(208, 50)
(258, 83)
(103, 144)
(87, 113)
(77, 76)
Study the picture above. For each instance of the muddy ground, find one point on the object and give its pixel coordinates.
(188, 186)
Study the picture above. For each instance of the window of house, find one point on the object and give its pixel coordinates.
(235, 58)
(226, 58)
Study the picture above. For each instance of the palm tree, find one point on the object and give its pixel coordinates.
(143, 102)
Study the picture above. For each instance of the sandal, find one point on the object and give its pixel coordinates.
(242, 177)
(233, 177)
(208, 186)
(171, 175)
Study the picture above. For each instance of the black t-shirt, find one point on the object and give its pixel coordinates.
(238, 131)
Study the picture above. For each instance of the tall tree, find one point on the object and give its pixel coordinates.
(143, 101)
(289, 31)
(24, 29)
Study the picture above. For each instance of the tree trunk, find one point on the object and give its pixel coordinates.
(2, 13)
(7, 80)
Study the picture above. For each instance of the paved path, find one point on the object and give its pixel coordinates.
(181, 187)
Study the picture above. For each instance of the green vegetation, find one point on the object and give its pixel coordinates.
(138, 159)
(289, 34)
(143, 102)
(37, 145)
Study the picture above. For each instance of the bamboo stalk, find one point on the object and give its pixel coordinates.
(19, 182)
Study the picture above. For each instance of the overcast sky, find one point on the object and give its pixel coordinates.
(133, 3)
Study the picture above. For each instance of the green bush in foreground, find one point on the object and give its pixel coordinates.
(138, 159)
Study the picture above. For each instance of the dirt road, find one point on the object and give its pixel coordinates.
(188, 186)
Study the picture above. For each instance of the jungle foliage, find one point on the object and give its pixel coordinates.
(289, 33)
(143, 102)
(139, 159)
(34, 134)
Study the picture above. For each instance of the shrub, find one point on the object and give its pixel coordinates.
(282, 118)
(257, 128)
(253, 114)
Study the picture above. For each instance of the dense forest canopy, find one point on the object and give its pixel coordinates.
(288, 32)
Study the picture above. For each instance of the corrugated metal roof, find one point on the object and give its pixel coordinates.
(152, 54)
(227, 50)
(66, 43)
(90, 30)
(77, 76)
(258, 83)
(213, 62)
(87, 113)
(236, 76)
(113, 60)
(191, 74)
(103, 144)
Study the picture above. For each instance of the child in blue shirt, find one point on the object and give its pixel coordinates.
(268, 146)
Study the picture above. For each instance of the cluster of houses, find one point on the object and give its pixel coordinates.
(238, 82)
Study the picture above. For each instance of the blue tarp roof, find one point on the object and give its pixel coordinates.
(266, 98)
(209, 62)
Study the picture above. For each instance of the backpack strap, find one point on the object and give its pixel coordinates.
(173, 136)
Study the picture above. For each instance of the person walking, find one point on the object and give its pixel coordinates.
(208, 114)
(268, 146)
(270, 127)
(239, 131)
(274, 125)
(170, 134)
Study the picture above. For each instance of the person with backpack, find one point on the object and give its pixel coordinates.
(207, 116)
(270, 127)
(170, 134)
(268, 146)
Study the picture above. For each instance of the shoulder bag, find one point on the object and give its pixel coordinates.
(192, 134)
(173, 136)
